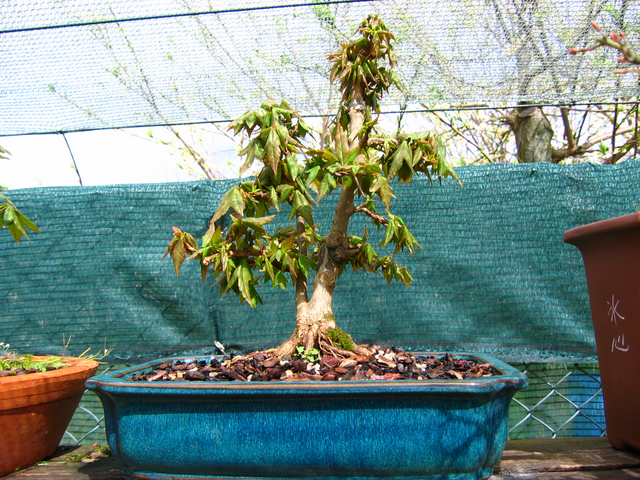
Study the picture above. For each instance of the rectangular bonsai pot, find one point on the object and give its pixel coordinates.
(427, 429)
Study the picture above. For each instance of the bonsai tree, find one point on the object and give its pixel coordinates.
(356, 163)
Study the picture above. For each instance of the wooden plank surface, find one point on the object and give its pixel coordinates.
(73, 463)
(568, 458)
(560, 459)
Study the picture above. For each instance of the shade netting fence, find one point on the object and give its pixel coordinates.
(493, 275)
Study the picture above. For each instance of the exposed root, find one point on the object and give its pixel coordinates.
(330, 349)
(315, 337)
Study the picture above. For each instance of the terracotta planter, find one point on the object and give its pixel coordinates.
(611, 253)
(428, 429)
(35, 410)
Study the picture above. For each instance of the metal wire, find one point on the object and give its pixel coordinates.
(78, 66)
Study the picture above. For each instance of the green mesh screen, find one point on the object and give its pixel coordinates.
(494, 274)
(78, 64)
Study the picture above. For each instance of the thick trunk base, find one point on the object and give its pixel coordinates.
(323, 336)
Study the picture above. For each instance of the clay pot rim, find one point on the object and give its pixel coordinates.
(76, 365)
(620, 223)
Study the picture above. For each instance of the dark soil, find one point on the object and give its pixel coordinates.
(22, 371)
(382, 364)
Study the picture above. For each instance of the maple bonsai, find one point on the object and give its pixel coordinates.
(357, 161)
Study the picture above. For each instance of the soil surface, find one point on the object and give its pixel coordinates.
(382, 364)
(22, 371)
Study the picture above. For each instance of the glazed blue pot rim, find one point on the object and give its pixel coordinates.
(117, 381)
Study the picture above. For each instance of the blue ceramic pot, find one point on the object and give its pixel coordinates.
(429, 429)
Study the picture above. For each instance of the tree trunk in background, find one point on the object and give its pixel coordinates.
(533, 134)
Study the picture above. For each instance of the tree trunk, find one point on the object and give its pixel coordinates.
(314, 318)
(533, 134)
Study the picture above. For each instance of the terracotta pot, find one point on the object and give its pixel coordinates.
(35, 410)
(611, 253)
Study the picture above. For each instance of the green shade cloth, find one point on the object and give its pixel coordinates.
(494, 274)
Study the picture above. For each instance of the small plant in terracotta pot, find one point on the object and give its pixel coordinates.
(38, 397)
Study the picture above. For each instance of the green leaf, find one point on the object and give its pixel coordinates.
(245, 281)
(273, 198)
(15, 221)
(284, 136)
(269, 269)
(405, 276)
(306, 264)
(401, 156)
(390, 232)
(324, 188)
(232, 199)
(341, 145)
(17, 231)
(351, 156)
(381, 186)
(369, 252)
(27, 223)
(444, 170)
(263, 117)
(231, 274)
(181, 244)
(281, 280)
(272, 150)
(257, 223)
(250, 151)
(312, 174)
(442, 151)
(285, 192)
(301, 207)
(293, 167)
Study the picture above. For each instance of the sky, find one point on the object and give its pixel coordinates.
(103, 157)
(110, 157)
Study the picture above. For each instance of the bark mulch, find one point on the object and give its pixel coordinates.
(383, 364)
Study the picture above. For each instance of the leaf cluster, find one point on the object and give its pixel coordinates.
(312, 356)
(359, 65)
(295, 177)
(16, 222)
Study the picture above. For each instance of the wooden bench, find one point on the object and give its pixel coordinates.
(589, 458)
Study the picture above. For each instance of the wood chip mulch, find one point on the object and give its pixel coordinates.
(383, 364)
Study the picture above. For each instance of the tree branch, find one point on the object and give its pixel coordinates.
(452, 127)
(202, 163)
(301, 280)
(568, 132)
(562, 153)
(374, 216)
